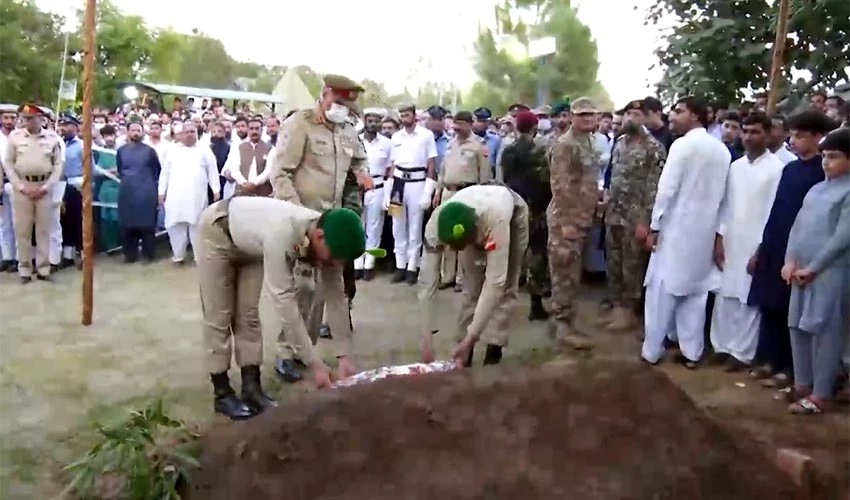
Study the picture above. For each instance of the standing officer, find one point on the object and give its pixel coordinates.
(573, 170)
(316, 150)
(491, 140)
(464, 165)
(34, 166)
(8, 252)
(66, 234)
(527, 173)
(636, 167)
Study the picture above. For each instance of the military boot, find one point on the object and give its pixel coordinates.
(226, 403)
(493, 354)
(567, 337)
(622, 320)
(252, 390)
(398, 276)
(537, 310)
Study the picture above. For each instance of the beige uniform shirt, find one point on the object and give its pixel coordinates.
(277, 232)
(37, 154)
(494, 208)
(312, 161)
(464, 163)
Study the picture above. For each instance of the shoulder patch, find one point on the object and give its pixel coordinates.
(489, 244)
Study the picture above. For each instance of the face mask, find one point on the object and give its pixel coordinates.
(337, 114)
(372, 128)
(544, 125)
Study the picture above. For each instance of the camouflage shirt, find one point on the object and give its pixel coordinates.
(574, 173)
(635, 169)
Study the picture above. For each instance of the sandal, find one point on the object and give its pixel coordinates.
(760, 372)
(805, 406)
(790, 394)
(778, 381)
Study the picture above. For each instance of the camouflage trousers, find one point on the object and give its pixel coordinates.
(537, 255)
(626, 264)
(565, 266)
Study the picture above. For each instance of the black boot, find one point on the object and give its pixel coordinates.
(358, 274)
(13, 266)
(252, 390)
(493, 354)
(5, 265)
(398, 276)
(288, 371)
(410, 277)
(537, 310)
(368, 274)
(226, 403)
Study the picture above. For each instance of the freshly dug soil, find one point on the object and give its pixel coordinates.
(591, 430)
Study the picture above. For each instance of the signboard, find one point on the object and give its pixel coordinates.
(68, 90)
(541, 47)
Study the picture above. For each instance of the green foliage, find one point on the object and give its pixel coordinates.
(717, 48)
(505, 78)
(31, 45)
(145, 457)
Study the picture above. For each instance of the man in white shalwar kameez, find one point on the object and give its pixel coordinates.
(188, 169)
(750, 191)
(682, 231)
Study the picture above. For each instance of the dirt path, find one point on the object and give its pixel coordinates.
(57, 376)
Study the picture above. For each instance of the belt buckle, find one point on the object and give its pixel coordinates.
(405, 176)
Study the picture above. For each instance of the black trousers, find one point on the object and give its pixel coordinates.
(72, 219)
(774, 347)
(130, 238)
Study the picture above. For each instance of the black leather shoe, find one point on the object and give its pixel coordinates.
(41, 277)
(226, 403)
(66, 263)
(13, 266)
(54, 268)
(368, 274)
(398, 276)
(232, 407)
(493, 354)
(410, 277)
(252, 390)
(5, 265)
(288, 371)
(358, 274)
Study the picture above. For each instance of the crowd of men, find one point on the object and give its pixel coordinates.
(726, 230)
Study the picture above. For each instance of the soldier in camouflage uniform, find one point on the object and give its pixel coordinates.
(318, 157)
(636, 166)
(527, 173)
(560, 124)
(573, 170)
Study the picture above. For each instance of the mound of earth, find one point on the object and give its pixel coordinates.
(594, 430)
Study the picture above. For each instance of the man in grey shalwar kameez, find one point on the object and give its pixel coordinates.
(817, 263)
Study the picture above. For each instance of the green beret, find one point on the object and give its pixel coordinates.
(455, 222)
(344, 234)
(560, 106)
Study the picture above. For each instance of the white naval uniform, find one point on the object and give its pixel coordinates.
(681, 271)
(410, 155)
(750, 191)
(183, 181)
(378, 153)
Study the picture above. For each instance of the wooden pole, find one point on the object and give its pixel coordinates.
(778, 50)
(89, 28)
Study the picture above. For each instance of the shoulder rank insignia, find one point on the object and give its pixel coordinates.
(489, 244)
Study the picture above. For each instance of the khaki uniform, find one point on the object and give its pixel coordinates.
(247, 253)
(464, 164)
(492, 264)
(33, 160)
(312, 161)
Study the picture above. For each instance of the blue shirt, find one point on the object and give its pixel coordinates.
(494, 143)
(73, 158)
(442, 143)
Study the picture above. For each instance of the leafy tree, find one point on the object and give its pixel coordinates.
(31, 45)
(507, 75)
(717, 48)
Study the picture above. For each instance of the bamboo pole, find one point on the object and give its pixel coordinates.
(88, 223)
(778, 51)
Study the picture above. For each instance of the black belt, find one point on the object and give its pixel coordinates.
(458, 187)
(380, 184)
(407, 173)
(36, 178)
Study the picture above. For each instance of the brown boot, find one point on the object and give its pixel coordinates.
(622, 319)
(567, 337)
